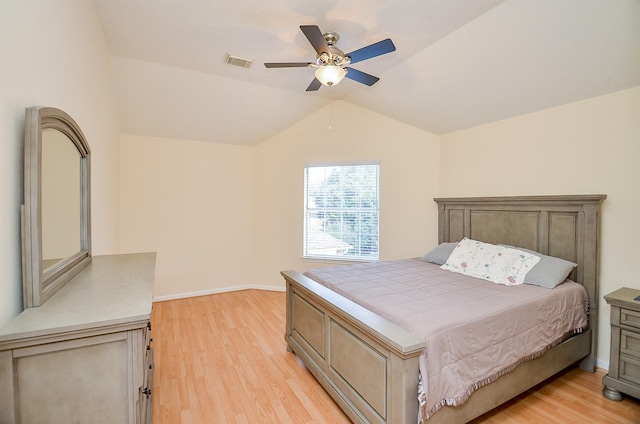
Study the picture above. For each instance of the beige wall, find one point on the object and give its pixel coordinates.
(408, 160)
(192, 203)
(588, 147)
(224, 217)
(61, 62)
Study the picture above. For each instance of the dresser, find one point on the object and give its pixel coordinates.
(624, 362)
(85, 355)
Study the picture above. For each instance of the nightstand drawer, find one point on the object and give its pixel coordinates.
(630, 344)
(630, 318)
(629, 369)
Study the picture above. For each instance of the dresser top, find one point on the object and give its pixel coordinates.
(113, 290)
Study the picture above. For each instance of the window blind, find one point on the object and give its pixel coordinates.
(341, 211)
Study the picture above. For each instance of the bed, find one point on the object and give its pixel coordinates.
(370, 365)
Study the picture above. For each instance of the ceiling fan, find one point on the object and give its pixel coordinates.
(331, 63)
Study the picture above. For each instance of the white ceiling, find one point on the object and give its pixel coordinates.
(458, 63)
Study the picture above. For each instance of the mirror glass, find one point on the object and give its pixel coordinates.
(56, 220)
(60, 198)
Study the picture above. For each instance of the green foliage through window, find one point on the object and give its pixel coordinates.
(342, 211)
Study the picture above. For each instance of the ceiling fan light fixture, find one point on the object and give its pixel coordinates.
(330, 74)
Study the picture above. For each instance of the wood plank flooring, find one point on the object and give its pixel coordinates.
(222, 359)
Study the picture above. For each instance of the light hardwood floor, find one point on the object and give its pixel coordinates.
(222, 359)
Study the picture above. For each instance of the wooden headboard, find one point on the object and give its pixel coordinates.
(563, 226)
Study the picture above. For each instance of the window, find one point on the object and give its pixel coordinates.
(341, 211)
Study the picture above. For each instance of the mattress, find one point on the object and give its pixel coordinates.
(475, 331)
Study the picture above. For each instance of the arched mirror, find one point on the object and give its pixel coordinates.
(56, 240)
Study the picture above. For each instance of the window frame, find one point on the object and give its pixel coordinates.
(360, 210)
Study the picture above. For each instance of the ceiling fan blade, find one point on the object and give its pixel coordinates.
(372, 50)
(315, 37)
(315, 85)
(287, 65)
(361, 77)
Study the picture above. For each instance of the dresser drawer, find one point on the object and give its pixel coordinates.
(630, 318)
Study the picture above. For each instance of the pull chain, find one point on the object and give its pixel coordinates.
(331, 110)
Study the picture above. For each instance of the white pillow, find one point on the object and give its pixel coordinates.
(498, 264)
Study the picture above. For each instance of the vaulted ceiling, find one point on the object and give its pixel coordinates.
(458, 63)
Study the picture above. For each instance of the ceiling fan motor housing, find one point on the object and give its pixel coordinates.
(337, 56)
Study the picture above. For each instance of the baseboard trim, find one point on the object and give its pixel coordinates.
(603, 365)
(216, 291)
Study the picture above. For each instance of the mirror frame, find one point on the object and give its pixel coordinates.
(38, 284)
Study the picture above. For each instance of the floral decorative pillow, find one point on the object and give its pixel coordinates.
(550, 271)
(499, 264)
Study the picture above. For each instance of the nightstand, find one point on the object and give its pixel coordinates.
(624, 361)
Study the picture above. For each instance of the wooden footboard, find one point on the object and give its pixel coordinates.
(366, 363)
